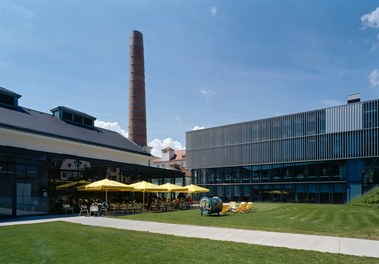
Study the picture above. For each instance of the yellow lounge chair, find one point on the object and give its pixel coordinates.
(225, 209)
(240, 207)
(247, 208)
(232, 206)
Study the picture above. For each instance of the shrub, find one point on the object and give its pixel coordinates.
(371, 199)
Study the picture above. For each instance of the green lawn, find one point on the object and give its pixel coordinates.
(330, 220)
(61, 242)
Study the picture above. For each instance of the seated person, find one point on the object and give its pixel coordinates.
(103, 206)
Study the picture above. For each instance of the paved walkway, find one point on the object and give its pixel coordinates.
(349, 246)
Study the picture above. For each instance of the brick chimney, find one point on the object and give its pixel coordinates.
(137, 100)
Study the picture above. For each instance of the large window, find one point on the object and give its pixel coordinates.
(31, 187)
(255, 131)
(23, 184)
(311, 123)
(287, 127)
(246, 174)
(370, 114)
(277, 127)
(7, 190)
(299, 126)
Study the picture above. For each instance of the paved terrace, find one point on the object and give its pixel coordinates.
(340, 245)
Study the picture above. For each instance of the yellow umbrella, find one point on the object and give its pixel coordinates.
(144, 186)
(71, 184)
(195, 189)
(169, 187)
(107, 186)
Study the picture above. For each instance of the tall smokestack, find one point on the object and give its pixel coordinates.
(137, 100)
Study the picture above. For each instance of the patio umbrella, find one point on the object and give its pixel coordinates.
(107, 186)
(71, 184)
(144, 186)
(169, 187)
(195, 189)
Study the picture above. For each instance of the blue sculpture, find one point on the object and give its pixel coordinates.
(209, 206)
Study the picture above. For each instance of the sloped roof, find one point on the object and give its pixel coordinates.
(35, 122)
(167, 148)
(59, 108)
(180, 155)
(9, 93)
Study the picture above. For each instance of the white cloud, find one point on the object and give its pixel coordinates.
(208, 93)
(371, 20)
(157, 146)
(374, 78)
(374, 43)
(198, 127)
(114, 126)
(178, 119)
(213, 10)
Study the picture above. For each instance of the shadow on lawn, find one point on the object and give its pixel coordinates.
(34, 217)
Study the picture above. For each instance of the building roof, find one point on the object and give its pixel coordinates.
(174, 162)
(168, 148)
(63, 108)
(179, 155)
(9, 93)
(35, 122)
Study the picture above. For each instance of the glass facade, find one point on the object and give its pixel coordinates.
(322, 156)
(23, 184)
(33, 183)
(312, 182)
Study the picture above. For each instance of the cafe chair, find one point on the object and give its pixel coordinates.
(103, 208)
(84, 209)
(94, 209)
(68, 208)
(124, 208)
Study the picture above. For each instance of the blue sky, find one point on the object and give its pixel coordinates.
(207, 63)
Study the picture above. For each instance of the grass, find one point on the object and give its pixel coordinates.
(370, 199)
(316, 219)
(61, 242)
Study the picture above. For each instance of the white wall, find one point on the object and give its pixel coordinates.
(36, 142)
(344, 118)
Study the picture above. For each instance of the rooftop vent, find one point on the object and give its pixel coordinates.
(8, 98)
(73, 116)
(354, 98)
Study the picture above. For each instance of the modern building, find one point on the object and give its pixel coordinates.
(42, 152)
(322, 156)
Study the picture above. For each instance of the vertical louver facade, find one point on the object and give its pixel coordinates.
(346, 135)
